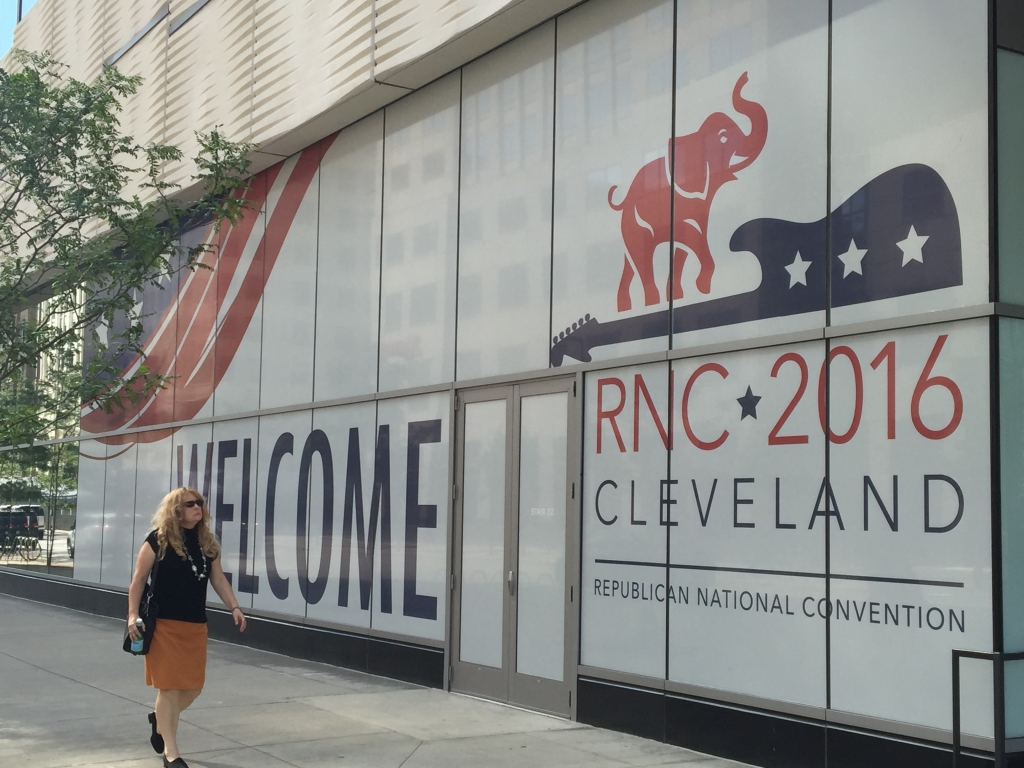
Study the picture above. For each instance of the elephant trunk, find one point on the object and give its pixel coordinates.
(758, 124)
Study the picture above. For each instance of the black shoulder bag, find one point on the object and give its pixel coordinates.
(149, 611)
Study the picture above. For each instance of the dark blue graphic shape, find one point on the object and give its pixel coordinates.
(875, 219)
(749, 403)
(417, 516)
(879, 216)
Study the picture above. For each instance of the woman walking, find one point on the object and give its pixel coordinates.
(189, 556)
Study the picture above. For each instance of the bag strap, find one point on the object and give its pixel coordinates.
(147, 594)
(156, 568)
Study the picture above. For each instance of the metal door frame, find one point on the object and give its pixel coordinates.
(461, 674)
(527, 690)
(467, 677)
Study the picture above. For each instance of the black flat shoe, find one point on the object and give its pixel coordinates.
(175, 763)
(156, 739)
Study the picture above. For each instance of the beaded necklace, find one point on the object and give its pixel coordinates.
(199, 576)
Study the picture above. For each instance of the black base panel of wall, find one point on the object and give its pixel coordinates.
(852, 749)
(621, 708)
(411, 663)
(745, 735)
(102, 602)
(754, 736)
(402, 661)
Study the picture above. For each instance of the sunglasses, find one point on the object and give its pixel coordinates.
(193, 503)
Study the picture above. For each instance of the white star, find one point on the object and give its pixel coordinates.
(101, 331)
(137, 309)
(798, 271)
(912, 246)
(852, 259)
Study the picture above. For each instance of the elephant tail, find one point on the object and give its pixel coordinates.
(615, 207)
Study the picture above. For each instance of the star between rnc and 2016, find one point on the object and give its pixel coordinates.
(748, 403)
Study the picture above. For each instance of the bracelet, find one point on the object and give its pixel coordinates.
(236, 608)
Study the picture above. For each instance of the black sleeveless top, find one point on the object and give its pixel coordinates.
(178, 592)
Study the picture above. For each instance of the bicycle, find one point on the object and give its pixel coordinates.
(28, 548)
(8, 545)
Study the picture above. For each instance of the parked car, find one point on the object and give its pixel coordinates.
(5, 520)
(14, 523)
(34, 523)
(71, 542)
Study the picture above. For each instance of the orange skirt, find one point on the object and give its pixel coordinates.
(177, 656)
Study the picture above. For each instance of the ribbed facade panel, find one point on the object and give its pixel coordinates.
(280, 73)
(35, 32)
(409, 29)
(122, 19)
(209, 76)
(143, 115)
(81, 35)
(308, 57)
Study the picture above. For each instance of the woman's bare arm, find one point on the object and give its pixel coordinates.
(227, 595)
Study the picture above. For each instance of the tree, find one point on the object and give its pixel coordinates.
(87, 221)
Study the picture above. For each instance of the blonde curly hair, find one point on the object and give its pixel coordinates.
(167, 524)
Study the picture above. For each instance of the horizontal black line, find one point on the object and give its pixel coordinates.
(891, 580)
(796, 574)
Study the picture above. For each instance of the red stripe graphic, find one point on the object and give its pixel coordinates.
(188, 342)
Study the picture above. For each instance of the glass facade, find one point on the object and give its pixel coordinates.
(1011, 447)
(420, 236)
(1010, 128)
(505, 216)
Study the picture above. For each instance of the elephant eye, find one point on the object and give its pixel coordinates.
(722, 136)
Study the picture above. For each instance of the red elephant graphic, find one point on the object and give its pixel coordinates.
(704, 161)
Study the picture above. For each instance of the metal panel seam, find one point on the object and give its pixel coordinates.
(187, 14)
(157, 18)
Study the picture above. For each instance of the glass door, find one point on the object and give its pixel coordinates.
(514, 587)
(481, 557)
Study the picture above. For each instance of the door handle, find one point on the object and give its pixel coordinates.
(510, 582)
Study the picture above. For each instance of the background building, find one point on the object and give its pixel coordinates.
(11, 13)
(464, 416)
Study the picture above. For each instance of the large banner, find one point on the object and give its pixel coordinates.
(727, 228)
(337, 514)
(836, 570)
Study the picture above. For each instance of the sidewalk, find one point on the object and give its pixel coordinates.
(70, 697)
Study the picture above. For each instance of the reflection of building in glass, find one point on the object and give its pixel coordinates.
(653, 364)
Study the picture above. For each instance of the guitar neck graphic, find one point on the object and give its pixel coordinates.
(577, 341)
